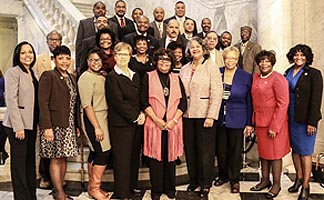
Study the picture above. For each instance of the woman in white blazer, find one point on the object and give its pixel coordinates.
(21, 119)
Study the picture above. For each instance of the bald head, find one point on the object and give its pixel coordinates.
(158, 14)
(173, 28)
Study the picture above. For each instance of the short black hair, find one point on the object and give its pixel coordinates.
(104, 31)
(61, 50)
(140, 38)
(306, 50)
(270, 55)
(162, 52)
(16, 56)
(94, 50)
(98, 2)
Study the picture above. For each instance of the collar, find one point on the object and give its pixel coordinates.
(138, 33)
(120, 72)
(168, 38)
(180, 18)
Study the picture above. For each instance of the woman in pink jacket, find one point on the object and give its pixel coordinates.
(164, 101)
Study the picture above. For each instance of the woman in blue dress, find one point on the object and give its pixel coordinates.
(306, 87)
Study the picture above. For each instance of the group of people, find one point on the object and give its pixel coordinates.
(139, 89)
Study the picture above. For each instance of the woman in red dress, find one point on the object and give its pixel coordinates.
(270, 97)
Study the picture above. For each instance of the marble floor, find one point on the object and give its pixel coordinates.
(249, 177)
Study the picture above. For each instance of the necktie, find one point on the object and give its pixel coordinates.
(160, 29)
(242, 48)
(181, 26)
(122, 23)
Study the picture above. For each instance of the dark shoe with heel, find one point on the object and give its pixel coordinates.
(3, 157)
(220, 182)
(235, 188)
(304, 194)
(192, 188)
(258, 186)
(204, 192)
(271, 195)
(295, 187)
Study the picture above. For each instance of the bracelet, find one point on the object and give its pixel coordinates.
(175, 121)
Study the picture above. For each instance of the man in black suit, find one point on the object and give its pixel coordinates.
(87, 28)
(205, 26)
(179, 15)
(159, 27)
(125, 25)
(142, 29)
(172, 34)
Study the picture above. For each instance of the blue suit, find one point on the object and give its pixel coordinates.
(239, 105)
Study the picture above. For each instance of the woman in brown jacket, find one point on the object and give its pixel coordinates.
(58, 117)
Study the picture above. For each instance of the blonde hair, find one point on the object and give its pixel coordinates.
(229, 49)
(123, 46)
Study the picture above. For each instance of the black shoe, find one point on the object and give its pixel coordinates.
(304, 194)
(3, 157)
(171, 195)
(155, 197)
(271, 195)
(220, 182)
(192, 188)
(235, 188)
(258, 188)
(204, 193)
(295, 187)
(136, 192)
(178, 161)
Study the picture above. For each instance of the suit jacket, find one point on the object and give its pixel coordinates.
(166, 21)
(308, 94)
(156, 30)
(204, 90)
(239, 105)
(43, 63)
(246, 61)
(20, 100)
(218, 58)
(121, 32)
(201, 35)
(85, 30)
(122, 95)
(180, 39)
(54, 100)
(153, 43)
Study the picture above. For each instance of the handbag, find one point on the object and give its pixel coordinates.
(318, 169)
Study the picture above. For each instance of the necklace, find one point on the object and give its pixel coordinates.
(166, 90)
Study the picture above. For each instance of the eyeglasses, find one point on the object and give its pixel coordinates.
(95, 60)
(54, 40)
(122, 54)
(166, 59)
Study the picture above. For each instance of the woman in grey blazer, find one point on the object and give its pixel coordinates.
(21, 119)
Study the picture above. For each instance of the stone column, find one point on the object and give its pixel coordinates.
(274, 33)
(274, 29)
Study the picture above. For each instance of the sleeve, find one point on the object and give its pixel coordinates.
(281, 93)
(44, 95)
(12, 82)
(314, 114)
(116, 99)
(183, 101)
(86, 88)
(78, 44)
(216, 93)
(249, 101)
(144, 93)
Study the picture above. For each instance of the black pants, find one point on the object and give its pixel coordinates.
(229, 158)
(22, 158)
(44, 165)
(199, 143)
(3, 138)
(125, 143)
(162, 173)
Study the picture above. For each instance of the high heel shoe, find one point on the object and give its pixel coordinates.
(304, 194)
(192, 188)
(3, 157)
(258, 188)
(295, 187)
(204, 192)
(271, 195)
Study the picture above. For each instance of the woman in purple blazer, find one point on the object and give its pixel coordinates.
(234, 116)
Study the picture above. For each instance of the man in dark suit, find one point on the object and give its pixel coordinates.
(172, 34)
(205, 26)
(142, 27)
(87, 28)
(159, 27)
(90, 42)
(179, 15)
(125, 25)
(248, 50)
